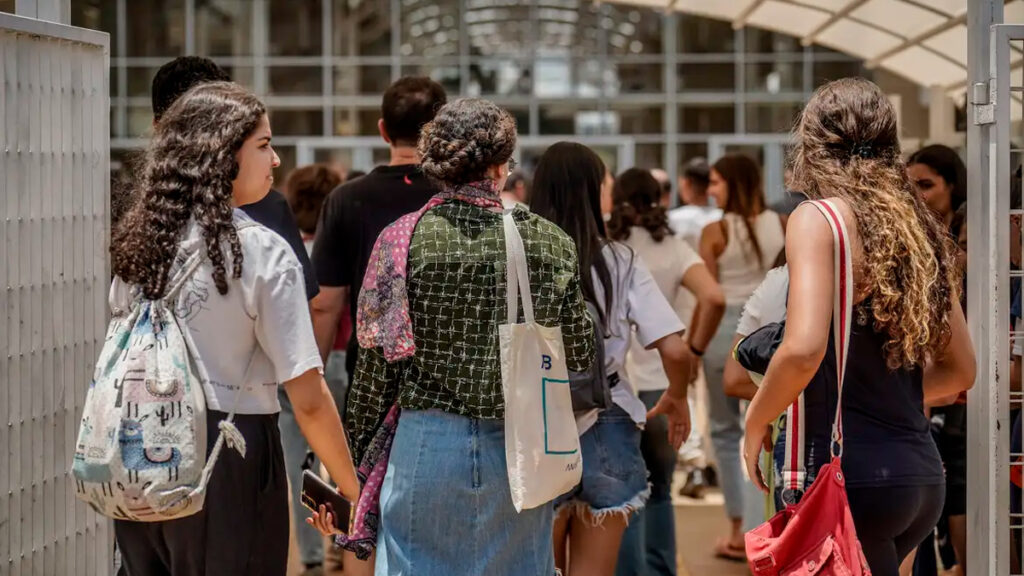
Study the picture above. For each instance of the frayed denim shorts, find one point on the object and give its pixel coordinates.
(614, 473)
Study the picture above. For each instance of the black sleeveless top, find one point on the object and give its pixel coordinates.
(887, 439)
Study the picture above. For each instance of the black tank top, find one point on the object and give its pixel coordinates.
(887, 439)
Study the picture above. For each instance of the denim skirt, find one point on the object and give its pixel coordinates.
(446, 507)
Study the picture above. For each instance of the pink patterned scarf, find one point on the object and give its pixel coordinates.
(382, 317)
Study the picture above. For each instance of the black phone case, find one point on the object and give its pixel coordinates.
(316, 492)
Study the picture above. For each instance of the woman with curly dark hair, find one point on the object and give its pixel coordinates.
(245, 308)
(639, 221)
(427, 325)
(908, 341)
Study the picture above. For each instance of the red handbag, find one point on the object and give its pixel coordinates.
(816, 536)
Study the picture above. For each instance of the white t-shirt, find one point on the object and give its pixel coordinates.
(689, 221)
(668, 261)
(259, 334)
(638, 309)
(767, 304)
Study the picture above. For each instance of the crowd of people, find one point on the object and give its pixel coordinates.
(374, 300)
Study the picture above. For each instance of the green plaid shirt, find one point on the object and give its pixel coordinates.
(456, 291)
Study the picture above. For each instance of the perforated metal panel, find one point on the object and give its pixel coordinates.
(54, 190)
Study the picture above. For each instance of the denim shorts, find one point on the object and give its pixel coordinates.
(614, 473)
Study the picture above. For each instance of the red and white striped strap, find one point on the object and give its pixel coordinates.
(794, 468)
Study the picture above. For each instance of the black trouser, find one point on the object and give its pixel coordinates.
(243, 526)
(892, 521)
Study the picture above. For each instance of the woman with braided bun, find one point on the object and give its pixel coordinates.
(244, 305)
(432, 300)
(908, 339)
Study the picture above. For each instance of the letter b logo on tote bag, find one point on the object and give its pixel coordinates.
(542, 445)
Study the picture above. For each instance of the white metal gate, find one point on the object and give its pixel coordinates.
(54, 189)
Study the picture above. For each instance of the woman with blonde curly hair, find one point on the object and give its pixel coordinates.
(427, 323)
(908, 342)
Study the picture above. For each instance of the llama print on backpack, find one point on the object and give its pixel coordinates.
(136, 456)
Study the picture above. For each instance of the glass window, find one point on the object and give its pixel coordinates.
(287, 156)
(633, 31)
(224, 27)
(690, 150)
(113, 83)
(362, 28)
(9, 7)
(775, 117)
(701, 35)
(522, 116)
(501, 27)
(356, 80)
(93, 14)
(296, 80)
(760, 41)
(156, 28)
(448, 75)
(500, 77)
(430, 28)
(650, 155)
(774, 77)
(140, 121)
(561, 118)
(565, 77)
(638, 119)
(340, 158)
(140, 81)
(626, 78)
(356, 121)
(295, 28)
(287, 122)
(241, 74)
(707, 119)
(714, 76)
(833, 70)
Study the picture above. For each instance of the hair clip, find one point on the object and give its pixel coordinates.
(862, 150)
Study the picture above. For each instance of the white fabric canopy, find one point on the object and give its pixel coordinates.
(924, 41)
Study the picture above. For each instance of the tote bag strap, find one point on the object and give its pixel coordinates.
(517, 273)
(794, 467)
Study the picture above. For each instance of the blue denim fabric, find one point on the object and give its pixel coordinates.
(311, 544)
(649, 544)
(446, 507)
(614, 473)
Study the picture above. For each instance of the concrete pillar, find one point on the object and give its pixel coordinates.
(941, 118)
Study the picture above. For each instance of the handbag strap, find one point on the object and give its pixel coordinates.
(794, 467)
(517, 277)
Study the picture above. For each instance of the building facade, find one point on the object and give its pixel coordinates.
(641, 86)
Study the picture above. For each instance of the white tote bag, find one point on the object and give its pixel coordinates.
(542, 445)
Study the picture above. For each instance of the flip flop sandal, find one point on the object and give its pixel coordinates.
(728, 551)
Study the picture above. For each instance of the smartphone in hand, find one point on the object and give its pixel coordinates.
(316, 493)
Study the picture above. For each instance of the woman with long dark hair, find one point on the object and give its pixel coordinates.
(428, 320)
(739, 250)
(245, 308)
(567, 189)
(940, 179)
(639, 221)
(908, 341)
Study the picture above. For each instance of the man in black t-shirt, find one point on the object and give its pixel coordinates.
(356, 212)
(180, 75)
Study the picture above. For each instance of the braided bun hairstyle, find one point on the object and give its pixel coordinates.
(187, 173)
(636, 195)
(467, 137)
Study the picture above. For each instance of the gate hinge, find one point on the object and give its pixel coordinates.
(983, 98)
